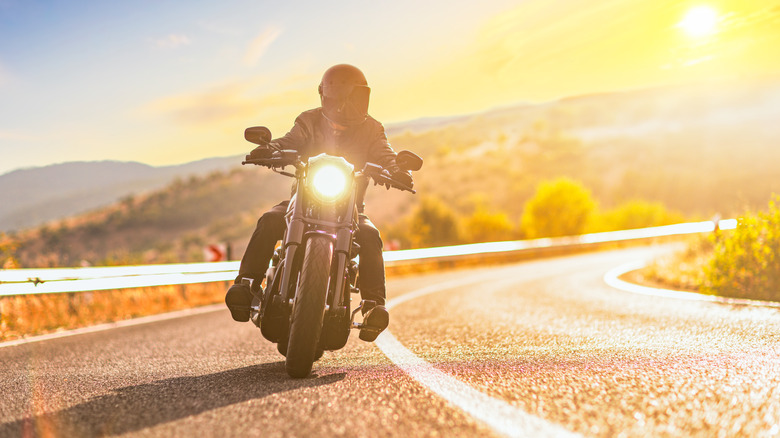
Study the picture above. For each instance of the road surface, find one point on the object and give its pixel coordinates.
(539, 348)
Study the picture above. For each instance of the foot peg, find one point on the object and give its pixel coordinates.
(375, 320)
(364, 306)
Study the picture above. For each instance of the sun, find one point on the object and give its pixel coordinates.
(700, 21)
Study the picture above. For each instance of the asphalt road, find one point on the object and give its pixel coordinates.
(531, 349)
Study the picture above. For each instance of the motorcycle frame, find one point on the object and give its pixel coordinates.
(300, 227)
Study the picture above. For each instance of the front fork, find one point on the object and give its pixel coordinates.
(343, 270)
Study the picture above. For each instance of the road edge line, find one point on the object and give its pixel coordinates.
(497, 414)
(611, 278)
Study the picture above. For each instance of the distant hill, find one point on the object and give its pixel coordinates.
(171, 224)
(699, 149)
(30, 197)
(425, 124)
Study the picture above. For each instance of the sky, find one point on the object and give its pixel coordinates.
(171, 81)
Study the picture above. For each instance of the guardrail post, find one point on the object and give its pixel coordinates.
(72, 308)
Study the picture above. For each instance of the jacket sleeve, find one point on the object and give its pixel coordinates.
(297, 138)
(380, 151)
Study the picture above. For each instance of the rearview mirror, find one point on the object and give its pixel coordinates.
(259, 135)
(407, 160)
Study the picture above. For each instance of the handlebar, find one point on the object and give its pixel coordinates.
(402, 187)
(284, 158)
(277, 158)
(382, 177)
(267, 162)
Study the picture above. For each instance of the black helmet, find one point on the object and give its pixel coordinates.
(344, 95)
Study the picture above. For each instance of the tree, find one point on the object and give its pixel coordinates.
(558, 208)
(488, 226)
(433, 224)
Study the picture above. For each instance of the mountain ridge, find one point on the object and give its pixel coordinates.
(728, 110)
(33, 196)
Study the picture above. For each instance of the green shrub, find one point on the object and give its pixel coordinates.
(558, 208)
(746, 262)
(488, 226)
(433, 224)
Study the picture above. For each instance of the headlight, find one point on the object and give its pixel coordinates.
(329, 177)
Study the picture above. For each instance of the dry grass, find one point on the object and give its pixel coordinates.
(28, 315)
(682, 270)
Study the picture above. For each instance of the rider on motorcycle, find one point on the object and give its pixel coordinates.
(342, 127)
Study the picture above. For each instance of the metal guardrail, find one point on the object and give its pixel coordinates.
(62, 280)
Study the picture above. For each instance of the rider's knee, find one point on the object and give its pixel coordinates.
(369, 237)
(271, 219)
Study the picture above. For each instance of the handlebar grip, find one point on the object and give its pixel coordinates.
(403, 187)
(258, 161)
(381, 177)
(276, 161)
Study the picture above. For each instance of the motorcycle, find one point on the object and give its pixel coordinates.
(305, 307)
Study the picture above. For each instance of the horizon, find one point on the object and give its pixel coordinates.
(166, 84)
(774, 77)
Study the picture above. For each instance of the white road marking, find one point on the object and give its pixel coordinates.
(499, 415)
(611, 278)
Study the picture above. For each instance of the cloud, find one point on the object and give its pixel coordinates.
(228, 103)
(260, 44)
(202, 108)
(172, 41)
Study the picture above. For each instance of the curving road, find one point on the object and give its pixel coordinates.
(541, 348)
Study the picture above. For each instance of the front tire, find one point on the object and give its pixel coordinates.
(309, 307)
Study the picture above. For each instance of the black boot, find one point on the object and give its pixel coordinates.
(375, 322)
(238, 300)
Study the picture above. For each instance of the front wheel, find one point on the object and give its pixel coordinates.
(309, 307)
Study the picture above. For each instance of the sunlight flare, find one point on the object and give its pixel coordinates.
(700, 21)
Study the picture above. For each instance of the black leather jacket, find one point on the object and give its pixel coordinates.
(313, 134)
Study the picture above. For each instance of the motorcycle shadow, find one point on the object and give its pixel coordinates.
(137, 407)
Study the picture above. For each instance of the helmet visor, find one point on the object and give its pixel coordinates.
(358, 98)
(346, 104)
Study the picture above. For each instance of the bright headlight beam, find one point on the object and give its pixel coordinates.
(329, 181)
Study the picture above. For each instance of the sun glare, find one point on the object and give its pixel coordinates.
(700, 21)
